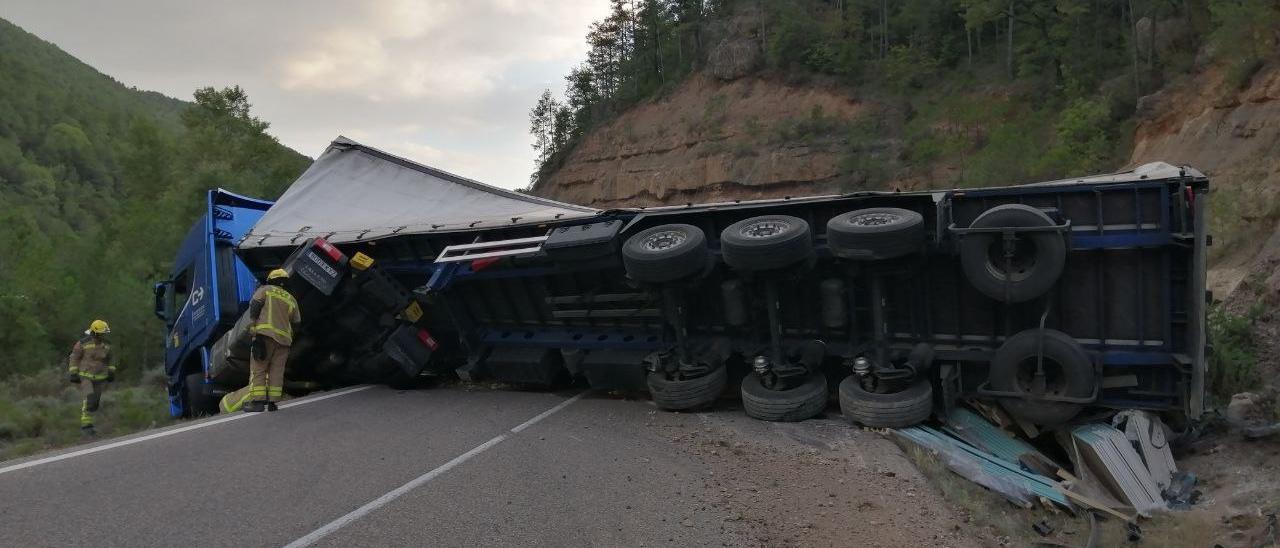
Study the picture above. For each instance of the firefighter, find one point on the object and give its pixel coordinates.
(91, 366)
(272, 314)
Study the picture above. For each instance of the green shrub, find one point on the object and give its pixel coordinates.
(906, 68)
(1240, 73)
(42, 411)
(1233, 363)
(1084, 139)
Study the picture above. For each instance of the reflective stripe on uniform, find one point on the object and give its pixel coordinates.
(275, 391)
(86, 419)
(93, 377)
(273, 294)
(228, 406)
(268, 327)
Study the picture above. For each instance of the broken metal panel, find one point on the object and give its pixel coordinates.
(1008, 479)
(976, 430)
(1108, 453)
(1146, 433)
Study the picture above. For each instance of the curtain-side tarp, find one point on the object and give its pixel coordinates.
(355, 193)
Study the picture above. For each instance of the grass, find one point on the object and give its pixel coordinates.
(1233, 365)
(42, 411)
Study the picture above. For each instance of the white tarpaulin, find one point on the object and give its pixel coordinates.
(354, 193)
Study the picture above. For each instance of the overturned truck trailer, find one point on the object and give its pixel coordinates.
(1049, 298)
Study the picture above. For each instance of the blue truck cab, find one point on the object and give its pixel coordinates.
(207, 289)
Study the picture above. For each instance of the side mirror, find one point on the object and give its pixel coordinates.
(163, 296)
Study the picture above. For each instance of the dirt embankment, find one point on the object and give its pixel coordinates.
(711, 140)
(1233, 135)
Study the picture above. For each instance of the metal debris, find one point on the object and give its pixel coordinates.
(1007, 478)
(1108, 453)
(1146, 432)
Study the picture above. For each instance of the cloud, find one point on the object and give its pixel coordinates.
(433, 51)
(445, 82)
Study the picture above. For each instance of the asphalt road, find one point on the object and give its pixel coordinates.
(375, 467)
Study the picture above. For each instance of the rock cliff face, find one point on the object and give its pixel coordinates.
(711, 140)
(1233, 135)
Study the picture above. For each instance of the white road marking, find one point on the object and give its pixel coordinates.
(163, 433)
(335, 525)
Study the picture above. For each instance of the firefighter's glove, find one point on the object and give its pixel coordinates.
(258, 347)
(111, 376)
(73, 378)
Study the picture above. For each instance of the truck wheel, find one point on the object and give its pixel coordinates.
(1068, 372)
(680, 395)
(1037, 261)
(793, 404)
(199, 403)
(665, 253)
(893, 410)
(766, 243)
(875, 233)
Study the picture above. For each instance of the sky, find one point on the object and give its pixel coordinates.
(448, 83)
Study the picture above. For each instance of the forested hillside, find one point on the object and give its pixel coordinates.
(700, 99)
(98, 184)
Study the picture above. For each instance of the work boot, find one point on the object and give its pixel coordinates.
(87, 431)
(256, 406)
(271, 406)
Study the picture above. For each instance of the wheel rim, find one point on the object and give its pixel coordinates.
(1055, 380)
(764, 229)
(1020, 264)
(874, 219)
(666, 239)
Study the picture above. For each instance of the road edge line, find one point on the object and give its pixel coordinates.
(170, 432)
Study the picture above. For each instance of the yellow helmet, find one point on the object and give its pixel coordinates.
(98, 327)
(277, 273)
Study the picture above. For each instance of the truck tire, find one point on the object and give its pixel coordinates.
(793, 404)
(1036, 264)
(893, 410)
(199, 403)
(681, 395)
(1068, 372)
(767, 242)
(665, 253)
(875, 233)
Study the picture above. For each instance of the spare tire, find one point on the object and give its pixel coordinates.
(1036, 264)
(875, 233)
(665, 253)
(893, 410)
(767, 242)
(1068, 372)
(683, 394)
(798, 403)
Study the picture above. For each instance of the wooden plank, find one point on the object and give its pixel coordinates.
(1090, 502)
